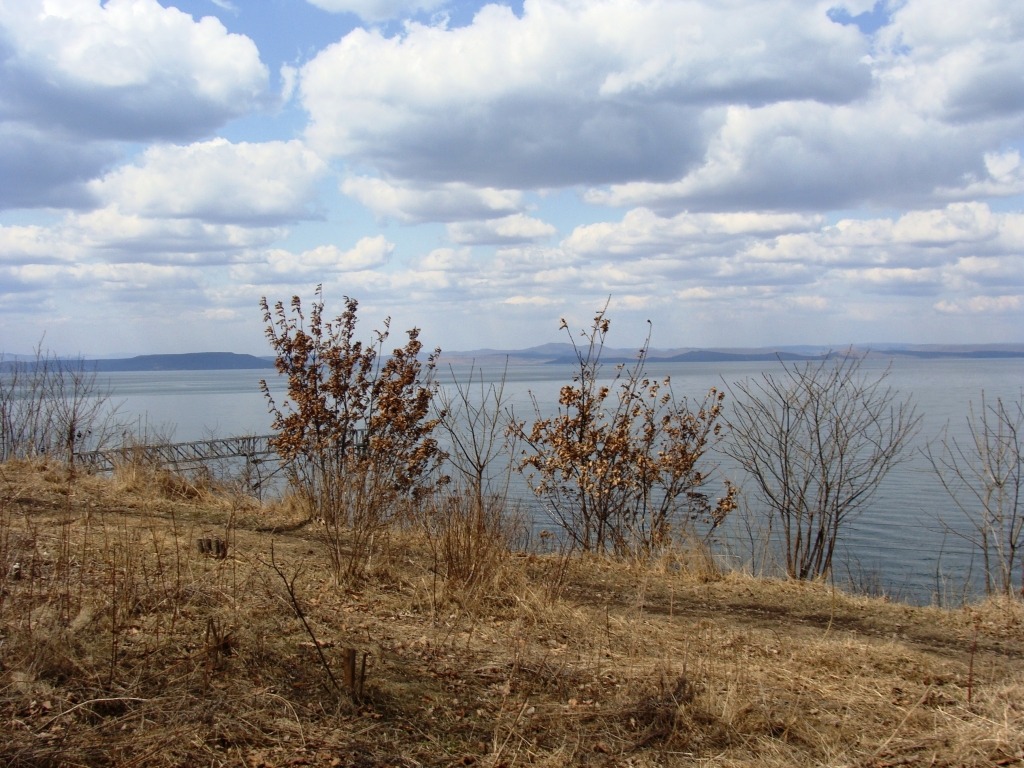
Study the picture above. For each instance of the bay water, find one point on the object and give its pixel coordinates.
(909, 543)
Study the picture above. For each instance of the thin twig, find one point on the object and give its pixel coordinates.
(290, 589)
(55, 718)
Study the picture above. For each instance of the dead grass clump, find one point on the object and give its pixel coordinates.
(144, 479)
(691, 559)
(470, 539)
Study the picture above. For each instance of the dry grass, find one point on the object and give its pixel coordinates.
(122, 644)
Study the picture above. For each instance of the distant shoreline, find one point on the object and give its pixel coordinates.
(548, 354)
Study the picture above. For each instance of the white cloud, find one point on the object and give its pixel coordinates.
(440, 202)
(216, 180)
(25, 245)
(691, 105)
(982, 305)
(642, 232)
(76, 75)
(1005, 177)
(750, 276)
(116, 236)
(119, 281)
(109, 235)
(898, 280)
(227, 5)
(517, 228)
(530, 301)
(128, 69)
(378, 10)
(280, 266)
(446, 260)
(570, 92)
(963, 61)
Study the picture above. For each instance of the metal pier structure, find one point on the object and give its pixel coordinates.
(179, 456)
(254, 449)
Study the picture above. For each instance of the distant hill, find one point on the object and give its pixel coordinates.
(562, 354)
(975, 354)
(700, 356)
(549, 354)
(192, 361)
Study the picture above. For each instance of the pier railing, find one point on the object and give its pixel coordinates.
(181, 456)
(254, 449)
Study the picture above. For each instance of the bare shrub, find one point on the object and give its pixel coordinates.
(473, 417)
(52, 407)
(984, 475)
(817, 441)
(621, 467)
(354, 429)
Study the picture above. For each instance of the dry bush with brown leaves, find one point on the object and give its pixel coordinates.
(622, 467)
(355, 429)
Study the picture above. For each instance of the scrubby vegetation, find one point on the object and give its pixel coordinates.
(124, 644)
(393, 608)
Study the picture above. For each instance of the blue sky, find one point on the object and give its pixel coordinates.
(741, 173)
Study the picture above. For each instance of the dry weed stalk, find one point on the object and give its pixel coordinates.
(470, 539)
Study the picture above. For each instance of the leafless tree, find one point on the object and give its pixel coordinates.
(984, 475)
(817, 440)
(50, 406)
(472, 415)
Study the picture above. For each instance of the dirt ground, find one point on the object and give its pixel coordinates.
(121, 643)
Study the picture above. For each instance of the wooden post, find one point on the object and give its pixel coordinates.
(348, 663)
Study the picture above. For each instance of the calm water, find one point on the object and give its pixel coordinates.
(900, 543)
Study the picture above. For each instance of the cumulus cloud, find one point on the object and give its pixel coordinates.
(120, 282)
(125, 69)
(964, 248)
(378, 10)
(78, 75)
(530, 301)
(446, 260)
(750, 272)
(687, 105)
(570, 92)
(508, 230)
(281, 266)
(962, 61)
(47, 167)
(218, 181)
(112, 236)
(1004, 177)
(117, 236)
(981, 304)
(642, 232)
(409, 204)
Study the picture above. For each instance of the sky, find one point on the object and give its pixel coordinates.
(738, 172)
